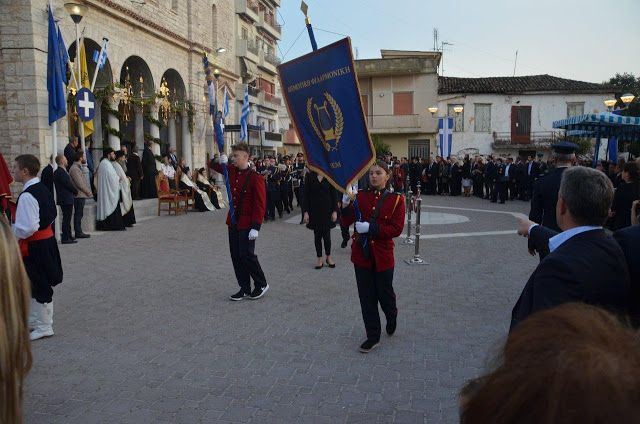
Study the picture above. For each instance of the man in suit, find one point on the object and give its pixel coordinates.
(134, 171)
(66, 193)
(521, 179)
(584, 264)
(70, 151)
(173, 159)
(89, 163)
(510, 174)
(432, 172)
(533, 171)
(415, 173)
(543, 168)
(149, 172)
(46, 177)
(629, 241)
(500, 181)
(489, 172)
(454, 178)
(545, 192)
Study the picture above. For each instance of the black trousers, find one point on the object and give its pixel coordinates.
(78, 212)
(284, 199)
(274, 203)
(373, 288)
(500, 191)
(135, 188)
(489, 186)
(67, 211)
(290, 193)
(319, 236)
(245, 261)
(297, 192)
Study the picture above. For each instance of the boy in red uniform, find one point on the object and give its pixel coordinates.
(382, 221)
(249, 201)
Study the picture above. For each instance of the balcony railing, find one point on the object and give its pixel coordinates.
(273, 23)
(272, 59)
(390, 122)
(253, 92)
(508, 139)
(268, 97)
(253, 5)
(252, 47)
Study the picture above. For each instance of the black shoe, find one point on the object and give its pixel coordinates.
(279, 216)
(301, 221)
(391, 326)
(368, 345)
(70, 241)
(333, 265)
(240, 295)
(319, 266)
(82, 235)
(344, 243)
(502, 203)
(495, 201)
(258, 292)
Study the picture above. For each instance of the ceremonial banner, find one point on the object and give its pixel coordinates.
(323, 99)
(445, 134)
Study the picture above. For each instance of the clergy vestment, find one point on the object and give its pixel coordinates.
(126, 200)
(109, 214)
(203, 203)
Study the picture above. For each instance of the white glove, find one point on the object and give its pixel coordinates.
(224, 159)
(345, 200)
(362, 227)
(253, 234)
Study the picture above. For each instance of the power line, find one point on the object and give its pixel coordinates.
(294, 43)
(331, 32)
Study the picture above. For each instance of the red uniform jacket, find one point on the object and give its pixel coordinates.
(388, 225)
(251, 211)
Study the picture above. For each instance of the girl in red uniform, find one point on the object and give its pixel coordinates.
(382, 221)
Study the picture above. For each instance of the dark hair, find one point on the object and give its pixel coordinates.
(78, 156)
(240, 147)
(588, 194)
(382, 164)
(633, 168)
(30, 162)
(572, 364)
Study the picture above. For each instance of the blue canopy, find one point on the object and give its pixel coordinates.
(602, 125)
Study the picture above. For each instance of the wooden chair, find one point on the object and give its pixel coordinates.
(170, 196)
(189, 194)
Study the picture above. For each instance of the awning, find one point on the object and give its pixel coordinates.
(604, 125)
(250, 68)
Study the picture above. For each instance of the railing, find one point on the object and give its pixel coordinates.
(268, 97)
(252, 47)
(507, 138)
(273, 23)
(389, 122)
(272, 59)
(253, 92)
(253, 5)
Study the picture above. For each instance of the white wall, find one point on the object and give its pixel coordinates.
(545, 108)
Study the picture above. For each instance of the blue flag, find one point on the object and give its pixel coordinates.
(225, 105)
(322, 96)
(445, 134)
(100, 59)
(244, 119)
(64, 57)
(55, 84)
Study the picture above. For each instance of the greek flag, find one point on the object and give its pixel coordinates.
(445, 135)
(100, 59)
(225, 106)
(244, 119)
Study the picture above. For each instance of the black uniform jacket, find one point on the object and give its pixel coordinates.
(629, 241)
(589, 267)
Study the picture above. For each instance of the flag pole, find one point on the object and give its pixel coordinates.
(95, 74)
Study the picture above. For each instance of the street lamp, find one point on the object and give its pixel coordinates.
(458, 109)
(221, 50)
(77, 12)
(610, 103)
(626, 99)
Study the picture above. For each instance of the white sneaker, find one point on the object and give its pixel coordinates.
(44, 324)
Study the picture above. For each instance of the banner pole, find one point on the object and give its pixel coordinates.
(54, 165)
(95, 74)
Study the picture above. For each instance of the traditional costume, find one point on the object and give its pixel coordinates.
(35, 213)
(126, 200)
(109, 213)
(203, 203)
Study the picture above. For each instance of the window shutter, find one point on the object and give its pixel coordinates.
(458, 119)
(403, 103)
(483, 118)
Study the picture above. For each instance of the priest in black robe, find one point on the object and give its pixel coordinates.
(149, 172)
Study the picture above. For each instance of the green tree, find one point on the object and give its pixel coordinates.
(626, 83)
(380, 147)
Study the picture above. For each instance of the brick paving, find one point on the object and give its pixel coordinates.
(145, 332)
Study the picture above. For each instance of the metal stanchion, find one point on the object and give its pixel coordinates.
(408, 239)
(416, 256)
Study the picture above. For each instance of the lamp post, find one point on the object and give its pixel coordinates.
(626, 99)
(77, 12)
(457, 109)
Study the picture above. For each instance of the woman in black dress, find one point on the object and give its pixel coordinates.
(626, 193)
(320, 213)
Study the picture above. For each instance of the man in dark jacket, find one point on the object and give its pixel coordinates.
(66, 193)
(70, 151)
(149, 172)
(134, 171)
(46, 177)
(533, 171)
(521, 179)
(629, 241)
(545, 192)
(489, 172)
(584, 264)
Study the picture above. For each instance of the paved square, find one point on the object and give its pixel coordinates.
(145, 332)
